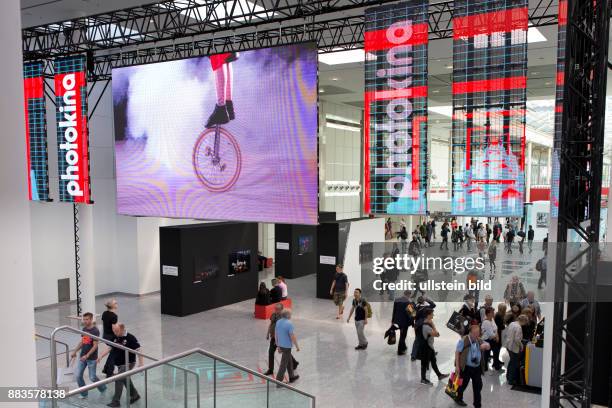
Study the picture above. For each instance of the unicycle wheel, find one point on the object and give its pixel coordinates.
(217, 171)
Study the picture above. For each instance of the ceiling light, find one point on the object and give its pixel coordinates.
(449, 67)
(436, 91)
(342, 57)
(334, 78)
(535, 73)
(321, 90)
(534, 35)
(547, 83)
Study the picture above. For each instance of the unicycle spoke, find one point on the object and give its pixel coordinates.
(216, 159)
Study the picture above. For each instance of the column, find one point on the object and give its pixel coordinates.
(87, 258)
(528, 167)
(18, 351)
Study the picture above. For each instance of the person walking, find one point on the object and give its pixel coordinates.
(469, 364)
(489, 232)
(88, 358)
(444, 235)
(492, 253)
(541, 267)
(530, 235)
(499, 319)
(427, 353)
(433, 228)
(403, 316)
(422, 305)
(514, 345)
(359, 307)
(403, 236)
(285, 340)
(338, 289)
(270, 335)
(509, 240)
(128, 340)
(109, 317)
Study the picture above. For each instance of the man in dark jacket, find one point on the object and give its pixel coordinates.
(403, 317)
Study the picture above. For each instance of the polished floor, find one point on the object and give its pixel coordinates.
(329, 368)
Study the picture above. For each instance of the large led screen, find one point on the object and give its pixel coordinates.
(229, 137)
(395, 143)
(489, 105)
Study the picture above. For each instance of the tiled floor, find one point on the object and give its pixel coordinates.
(330, 368)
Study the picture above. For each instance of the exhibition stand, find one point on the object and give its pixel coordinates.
(295, 250)
(204, 266)
(339, 242)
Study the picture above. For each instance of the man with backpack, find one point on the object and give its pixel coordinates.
(541, 267)
(362, 311)
(470, 364)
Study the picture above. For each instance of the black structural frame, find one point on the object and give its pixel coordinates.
(170, 30)
(77, 258)
(581, 161)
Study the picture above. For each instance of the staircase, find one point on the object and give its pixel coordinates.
(195, 378)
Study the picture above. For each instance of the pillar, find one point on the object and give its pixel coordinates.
(87, 258)
(528, 167)
(18, 351)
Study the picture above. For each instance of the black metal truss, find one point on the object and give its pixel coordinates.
(184, 28)
(581, 162)
(77, 259)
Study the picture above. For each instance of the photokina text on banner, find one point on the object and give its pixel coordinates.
(71, 136)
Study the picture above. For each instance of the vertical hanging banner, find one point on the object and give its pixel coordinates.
(72, 134)
(489, 106)
(395, 140)
(562, 33)
(36, 131)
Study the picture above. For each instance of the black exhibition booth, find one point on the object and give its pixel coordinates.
(332, 237)
(209, 265)
(295, 251)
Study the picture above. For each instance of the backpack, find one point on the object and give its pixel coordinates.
(368, 310)
(403, 234)
(538, 265)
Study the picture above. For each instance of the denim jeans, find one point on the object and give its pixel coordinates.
(513, 374)
(80, 369)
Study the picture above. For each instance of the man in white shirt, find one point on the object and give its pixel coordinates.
(513, 342)
(489, 334)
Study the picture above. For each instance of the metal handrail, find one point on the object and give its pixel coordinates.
(60, 342)
(169, 359)
(113, 378)
(250, 371)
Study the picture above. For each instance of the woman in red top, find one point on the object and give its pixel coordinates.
(222, 69)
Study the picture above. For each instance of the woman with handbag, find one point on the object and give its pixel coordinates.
(427, 353)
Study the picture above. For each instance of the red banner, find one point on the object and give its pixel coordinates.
(72, 131)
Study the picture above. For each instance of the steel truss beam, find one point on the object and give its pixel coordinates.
(581, 162)
(184, 28)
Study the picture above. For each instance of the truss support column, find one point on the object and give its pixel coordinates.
(580, 153)
(84, 259)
